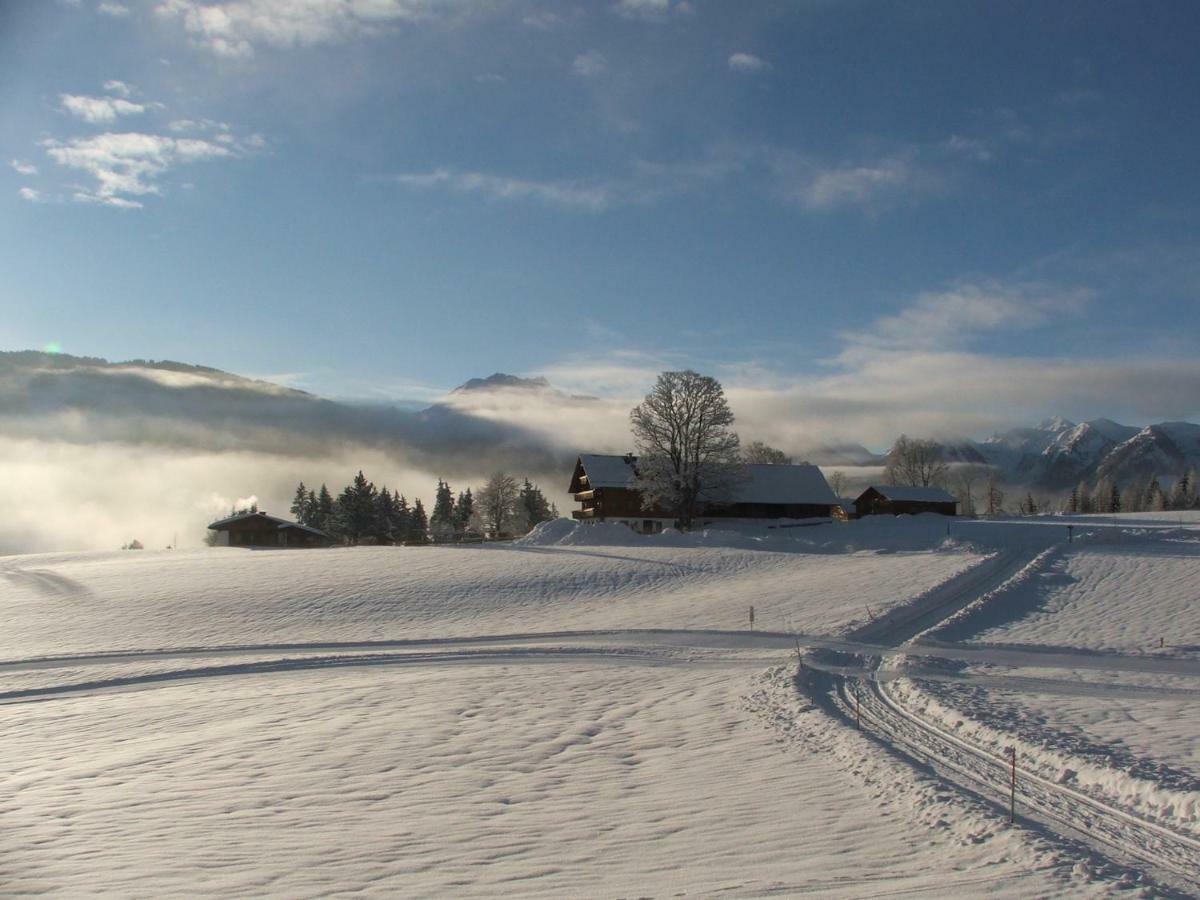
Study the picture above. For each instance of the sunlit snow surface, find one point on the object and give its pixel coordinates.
(531, 767)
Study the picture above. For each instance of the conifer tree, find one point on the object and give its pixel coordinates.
(300, 503)
(464, 508)
(310, 509)
(1183, 494)
(1155, 500)
(1086, 503)
(401, 519)
(357, 507)
(385, 517)
(1073, 501)
(1114, 499)
(323, 516)
(536, 509)
(418, 523)
(441, 522)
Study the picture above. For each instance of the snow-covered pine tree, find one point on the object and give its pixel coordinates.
(1155, 498)
(441, 521)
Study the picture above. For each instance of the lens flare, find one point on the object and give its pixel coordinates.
(53, 347)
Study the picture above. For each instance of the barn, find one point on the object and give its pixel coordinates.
(606, 487)
(257, 529)
(896, 500)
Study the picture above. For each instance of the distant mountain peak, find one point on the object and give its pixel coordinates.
(1055, 424)
(502, 380)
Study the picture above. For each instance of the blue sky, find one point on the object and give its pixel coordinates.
(976, 212)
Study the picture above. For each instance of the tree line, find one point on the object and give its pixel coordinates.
(364, 514)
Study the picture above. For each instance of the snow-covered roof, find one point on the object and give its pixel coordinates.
(279, 523)
(913, 494)
(603, 470)
(801, 483)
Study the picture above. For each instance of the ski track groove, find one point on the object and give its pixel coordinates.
(1172, 858)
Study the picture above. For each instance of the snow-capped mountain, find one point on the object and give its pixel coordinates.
(1059, 453)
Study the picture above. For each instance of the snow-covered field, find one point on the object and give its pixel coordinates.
(75, 603)
(483, 750)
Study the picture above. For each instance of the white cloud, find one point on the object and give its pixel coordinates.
(235, 28)
(115, 86)
(116, 10)
(130, 165)
(853, 185)
(747, 62)
(652, 10)
(592, 197)
(98, 110)
(953, 317)
(646, 182)
(590, 64)
(24, 168)
(28, 193)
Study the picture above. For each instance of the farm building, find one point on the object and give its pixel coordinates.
(257, 529)
(895, 500)
(606, 488)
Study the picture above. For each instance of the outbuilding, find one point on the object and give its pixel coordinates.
(257, 529)
(900, 500)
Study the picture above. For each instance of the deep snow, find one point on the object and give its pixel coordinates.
(530, 766)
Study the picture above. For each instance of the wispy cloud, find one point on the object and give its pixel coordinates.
(120, 88)
(954, 317)
(129, 165)
(98, 110)
(747, 62)
(643, 183)
(590, 64)
(235, 28)
(116, 10)
(28, 193)
(652, 10)
(571, 194)
(24, 168)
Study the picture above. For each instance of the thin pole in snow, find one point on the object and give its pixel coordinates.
(752, 618)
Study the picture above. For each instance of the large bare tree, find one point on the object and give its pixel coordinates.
(497, 504)
(916, 463)
(758, 453)
(688, 456)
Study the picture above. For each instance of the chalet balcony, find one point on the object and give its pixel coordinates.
(583, 513)
(585, 495)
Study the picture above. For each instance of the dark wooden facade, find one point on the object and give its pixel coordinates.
(260, 530)
(873, 503)
(618, 500)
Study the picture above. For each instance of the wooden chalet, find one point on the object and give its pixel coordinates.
(606, 489)
(257, 529)
(895, 500)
